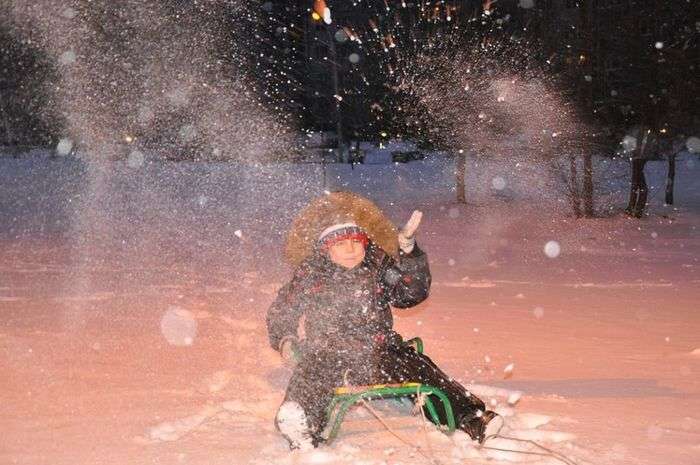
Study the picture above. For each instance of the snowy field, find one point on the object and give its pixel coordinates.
(133, 298)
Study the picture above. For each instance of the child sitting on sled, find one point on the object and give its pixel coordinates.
(351, 267)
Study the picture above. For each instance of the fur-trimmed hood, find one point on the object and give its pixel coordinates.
(335, 208)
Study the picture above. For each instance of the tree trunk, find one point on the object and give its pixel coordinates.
(574, 195)
(588, 209)
(638, 189)
(670, 178)
(9, 136)
(460, 172)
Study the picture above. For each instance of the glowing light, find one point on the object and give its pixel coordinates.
(128, 139)
(552, 249)
(659, 45)
(321, 11)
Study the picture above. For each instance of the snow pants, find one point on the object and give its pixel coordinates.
(319, 373)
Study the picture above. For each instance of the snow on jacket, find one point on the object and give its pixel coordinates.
(348, 308)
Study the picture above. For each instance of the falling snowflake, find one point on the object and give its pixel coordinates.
(69, 13)
(498, 183)
(552, 249)
(178, 326)
(67, 58)
(693, 144)
(629, 144)
(64, 147)
(508, 370)
(135, 159)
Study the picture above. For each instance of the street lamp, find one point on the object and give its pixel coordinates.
(321, 11)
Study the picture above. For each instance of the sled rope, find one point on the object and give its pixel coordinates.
(413, 446)
(547, 452)
(420, 402)
(374, 412)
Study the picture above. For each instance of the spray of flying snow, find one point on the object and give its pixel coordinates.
(153, 75)
(136, 78)
(475, 102)
(490, 100)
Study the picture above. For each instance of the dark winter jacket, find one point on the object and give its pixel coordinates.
(348, 308)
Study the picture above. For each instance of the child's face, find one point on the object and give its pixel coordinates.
(347, 253)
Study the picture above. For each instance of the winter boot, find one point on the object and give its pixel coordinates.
(481, 426)
(291, 421)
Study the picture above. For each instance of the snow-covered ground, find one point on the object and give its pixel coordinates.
(133, 297)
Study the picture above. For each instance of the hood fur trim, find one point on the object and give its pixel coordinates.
(335, 208)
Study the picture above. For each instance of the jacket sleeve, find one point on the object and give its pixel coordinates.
(284, 313)
(408, 279)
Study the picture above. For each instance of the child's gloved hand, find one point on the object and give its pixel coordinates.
(407, 234)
